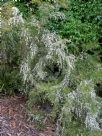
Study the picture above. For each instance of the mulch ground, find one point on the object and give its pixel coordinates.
(13, 119)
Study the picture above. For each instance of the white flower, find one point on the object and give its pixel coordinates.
(57, 15)
(17, 18)
(15, 11)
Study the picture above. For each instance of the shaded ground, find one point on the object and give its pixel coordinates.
(13, 119)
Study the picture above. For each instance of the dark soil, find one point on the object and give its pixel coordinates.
(13, 119)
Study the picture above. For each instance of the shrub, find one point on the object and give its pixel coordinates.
(54, 59)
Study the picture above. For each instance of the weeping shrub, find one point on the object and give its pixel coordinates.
(38, 60)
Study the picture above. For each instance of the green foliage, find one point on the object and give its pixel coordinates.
(71, 122)
(10, 41)
(80, 23)
(10, 80)
(86, 68)
(10, 49)
(48, 98)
